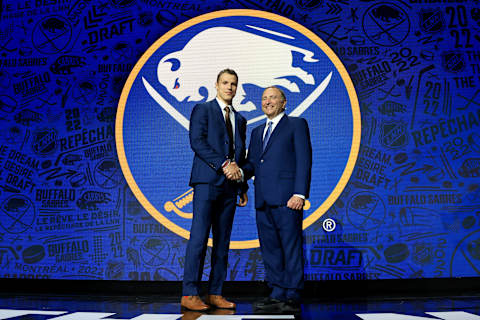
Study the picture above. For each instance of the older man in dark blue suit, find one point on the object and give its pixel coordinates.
(217, 136)
(280, 158)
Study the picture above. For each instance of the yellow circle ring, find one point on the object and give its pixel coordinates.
(220, 14)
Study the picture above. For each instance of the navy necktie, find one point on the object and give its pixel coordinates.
(267, 135)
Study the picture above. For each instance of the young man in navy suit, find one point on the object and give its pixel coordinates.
(217, 137)
(280, 158)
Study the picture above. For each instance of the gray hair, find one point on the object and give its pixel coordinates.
(279, 90)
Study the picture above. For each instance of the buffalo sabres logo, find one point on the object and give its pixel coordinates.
(179, 70)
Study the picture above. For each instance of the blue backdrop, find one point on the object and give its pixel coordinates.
(402, 188)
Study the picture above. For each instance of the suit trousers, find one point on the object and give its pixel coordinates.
(212, 207)
(281, 243)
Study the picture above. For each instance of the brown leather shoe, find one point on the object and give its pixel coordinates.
(220, 302)
(222, 312)
(193, 303)
(192, 315)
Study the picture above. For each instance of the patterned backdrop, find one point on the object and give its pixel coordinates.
(410, 208)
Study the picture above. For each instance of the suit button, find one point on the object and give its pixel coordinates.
(261, 161)
(226, 142)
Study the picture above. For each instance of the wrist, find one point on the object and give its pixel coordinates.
(226, 163)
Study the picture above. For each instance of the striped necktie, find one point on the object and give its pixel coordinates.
(267, 135)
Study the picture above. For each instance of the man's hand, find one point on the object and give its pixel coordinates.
(232, 171)
(295, 203)
(243, 200)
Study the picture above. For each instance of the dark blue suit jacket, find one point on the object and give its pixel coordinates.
(284, 167)
(209, 141)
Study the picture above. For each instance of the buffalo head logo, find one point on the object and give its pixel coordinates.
(261, 61)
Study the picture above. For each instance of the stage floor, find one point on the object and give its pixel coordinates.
(153, 307)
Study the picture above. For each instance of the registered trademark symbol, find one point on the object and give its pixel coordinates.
(329, 225)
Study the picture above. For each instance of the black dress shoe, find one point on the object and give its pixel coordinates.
(267, 304)
(291, 306)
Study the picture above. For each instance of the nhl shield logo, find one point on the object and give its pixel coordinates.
(393, 134)
(453, 61)
(179, 70)
(44, 141)
(431, 21)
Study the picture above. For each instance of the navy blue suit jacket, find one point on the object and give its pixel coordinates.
(284, 167)
(209, 140)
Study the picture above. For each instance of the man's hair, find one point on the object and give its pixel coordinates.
(279, 90)
(229, 71)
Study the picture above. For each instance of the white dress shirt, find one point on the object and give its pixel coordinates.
(232, 117)
(274, 122)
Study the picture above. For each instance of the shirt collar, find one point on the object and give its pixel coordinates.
(223, 104)
(276, 119)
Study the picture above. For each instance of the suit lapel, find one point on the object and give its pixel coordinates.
(218, 114)
(238, 139)
(260, 136)
(275, 133)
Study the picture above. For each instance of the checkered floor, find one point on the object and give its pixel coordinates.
(154, 307)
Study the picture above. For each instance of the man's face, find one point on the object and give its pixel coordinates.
(272, 102)
(226, 87)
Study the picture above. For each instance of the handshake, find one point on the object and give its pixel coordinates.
(232, 171)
